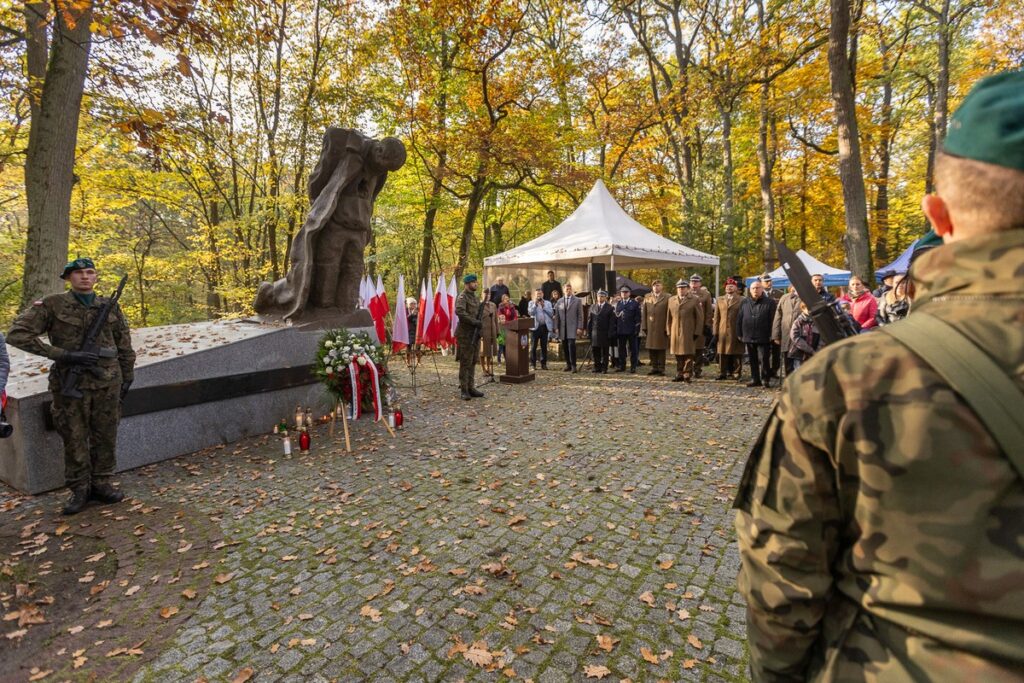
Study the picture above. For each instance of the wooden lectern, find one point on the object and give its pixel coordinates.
(517, 352)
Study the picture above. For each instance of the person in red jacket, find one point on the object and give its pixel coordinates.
(863, 305)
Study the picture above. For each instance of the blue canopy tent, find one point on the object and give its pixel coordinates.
(897, 267)
(834, 277)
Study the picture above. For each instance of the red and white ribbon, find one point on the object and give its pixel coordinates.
(378, 405)
(353, 375)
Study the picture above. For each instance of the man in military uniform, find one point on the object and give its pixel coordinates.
(730, 348)
(652, 327)
(880, 515)
(707, 308)
(87, 425)
(467, 308)
(684, 323)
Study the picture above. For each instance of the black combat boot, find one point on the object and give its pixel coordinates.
(476, 394)
(104, 492)
(465, 395)
(79, 497)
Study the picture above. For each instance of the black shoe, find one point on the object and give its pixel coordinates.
(721, 378)
(596, 370)
(632, 371)
(696, 373)
(620, 369)
(105, 492)
(754, 384)
(466, 396)
(476, 394)
(79, 497)
(677, 379)
(567, 368)
(543, 366)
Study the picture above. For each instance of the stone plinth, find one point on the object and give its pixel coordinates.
(196, 385)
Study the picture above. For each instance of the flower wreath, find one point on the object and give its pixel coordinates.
(351, 364)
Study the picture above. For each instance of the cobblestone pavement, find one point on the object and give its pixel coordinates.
(574, 528)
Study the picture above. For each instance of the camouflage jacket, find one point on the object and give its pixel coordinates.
(466, 308)
(65, 321)
(881, 529)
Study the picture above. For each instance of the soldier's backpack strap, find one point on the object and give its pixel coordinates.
(993, 396)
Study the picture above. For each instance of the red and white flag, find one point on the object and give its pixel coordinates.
(378, 309)
(382, 297)
(400, 327)
(439, 324)
(427, 324)
(453, 293)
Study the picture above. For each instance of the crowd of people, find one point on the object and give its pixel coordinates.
(765, 328)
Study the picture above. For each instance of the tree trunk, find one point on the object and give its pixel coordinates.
(884, 159)
(728, 208)
(765, 164)
(50, 158)
(851, 171)
(942, 77)
(431, 216)
(476, 197)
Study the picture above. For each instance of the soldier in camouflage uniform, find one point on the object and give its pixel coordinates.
(467, 308)
(88, 426)
(880, 525)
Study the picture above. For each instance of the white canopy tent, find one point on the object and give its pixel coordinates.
(598, 231)
(834, 277)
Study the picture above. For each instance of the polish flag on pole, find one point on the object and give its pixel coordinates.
(453, 293)
(400, 327)
(379, 309)
(428, 324)
(439, 324)
(421, 312)
(382, 297)
(362, 293)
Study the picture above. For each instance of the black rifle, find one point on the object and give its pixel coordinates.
(831, 321)
(73, 375)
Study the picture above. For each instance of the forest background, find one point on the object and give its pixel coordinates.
(713, 122)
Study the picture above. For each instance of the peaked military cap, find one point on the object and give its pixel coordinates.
(682, 283)
(695, 278)
(989, 124)
(601, 292)
(77, 264)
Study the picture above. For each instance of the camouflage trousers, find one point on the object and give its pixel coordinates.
(88, 427)
(467, 369)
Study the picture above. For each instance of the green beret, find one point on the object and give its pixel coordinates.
(930, 240)
(989, 124)
(77, 264)
(466, 279)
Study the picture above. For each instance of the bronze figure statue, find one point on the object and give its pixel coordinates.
(327, 253)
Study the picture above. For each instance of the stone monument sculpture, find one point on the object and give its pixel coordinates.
(327, 252)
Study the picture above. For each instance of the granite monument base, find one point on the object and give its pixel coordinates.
(196, 385)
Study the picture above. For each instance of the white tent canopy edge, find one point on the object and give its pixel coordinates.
(598, 231)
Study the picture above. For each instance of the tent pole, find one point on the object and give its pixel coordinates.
(716, 280)
(613, 263)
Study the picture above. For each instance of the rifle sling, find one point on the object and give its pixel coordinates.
(982, 384)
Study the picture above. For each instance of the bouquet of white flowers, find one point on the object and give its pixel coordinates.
(352, 364)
